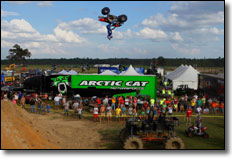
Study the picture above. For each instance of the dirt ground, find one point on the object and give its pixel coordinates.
(23, 130)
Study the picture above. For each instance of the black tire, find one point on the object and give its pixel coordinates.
(190, 134)
(105, 11)
(122, 18)
(124, 133)
(133, 142)
(174, 143)
(206, 135)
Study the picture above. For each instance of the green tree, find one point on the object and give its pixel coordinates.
(18, 54)
(161, 61)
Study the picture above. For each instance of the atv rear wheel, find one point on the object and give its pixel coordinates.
(105, 11)
(174, 143)
(133, 142)
(124, 134)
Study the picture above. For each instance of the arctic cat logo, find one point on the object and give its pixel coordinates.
(114, 83)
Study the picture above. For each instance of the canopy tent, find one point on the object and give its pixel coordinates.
(108, 72)
(131, 72)
(71, 72)
(184, 75)
(62, 72)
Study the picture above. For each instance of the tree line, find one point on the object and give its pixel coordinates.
(218, 62)
(18, 55)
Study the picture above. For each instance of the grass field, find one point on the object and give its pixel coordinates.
(110, 136)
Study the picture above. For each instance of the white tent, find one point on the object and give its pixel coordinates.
(184, 75)
(108, 72)
(62, 72)
(71, 72)
(131, 72)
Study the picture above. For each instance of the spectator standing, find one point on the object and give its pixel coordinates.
(152, 101)
(66, 108)
(105, 101)
(130, 109)
(170, 110)
(109, 112)
(95, 113)
(118, 112)
(124, 113)
(75, 106)
(22, 102)
(79, 111)
(142, 114)
(32, 102)
(48, 107)
(155, 112)
(113, 103)
(203, 102)
(135, 102)
(57, 101)
(188, 115)
(222, 107)
(102, 112)
(127, 101)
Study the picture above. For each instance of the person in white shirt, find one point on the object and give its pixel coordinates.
(95, 113)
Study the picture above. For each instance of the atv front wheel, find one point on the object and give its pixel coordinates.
(133, 142)
(174, 143)
(122, 18)
(206, 135)
(124, 134)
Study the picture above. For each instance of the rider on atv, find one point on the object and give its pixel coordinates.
(114, 21)
(111, 26)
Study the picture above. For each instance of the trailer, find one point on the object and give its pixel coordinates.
(94, 85)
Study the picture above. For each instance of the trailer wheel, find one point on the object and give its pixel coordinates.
(124, 134)
(133, 142)
(174, 143)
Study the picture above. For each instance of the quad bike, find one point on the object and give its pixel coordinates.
(137, 131)
(119, 20)
(194, 131)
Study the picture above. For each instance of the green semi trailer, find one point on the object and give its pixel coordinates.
(114, 84)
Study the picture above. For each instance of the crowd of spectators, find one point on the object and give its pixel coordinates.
(121, 107)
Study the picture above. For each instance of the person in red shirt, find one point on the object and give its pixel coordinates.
(188, 115)
(121, 101)
(98, 101)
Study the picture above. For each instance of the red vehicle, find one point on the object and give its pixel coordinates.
(195, 131)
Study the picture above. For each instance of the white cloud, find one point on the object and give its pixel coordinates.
(176, 36)
(45, 3)
(7, 13)
(149, 33)
(139, 51)
(107, 48)
(67, 36)
(19, 2)
(186, 51)
(21, 32)
(186, 16)
(212, 30)
(17, 25)
(85, 25)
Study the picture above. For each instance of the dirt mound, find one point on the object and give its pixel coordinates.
(23, 130)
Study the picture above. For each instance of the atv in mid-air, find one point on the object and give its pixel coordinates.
(112, 20)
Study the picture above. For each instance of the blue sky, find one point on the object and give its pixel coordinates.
(71, 29)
